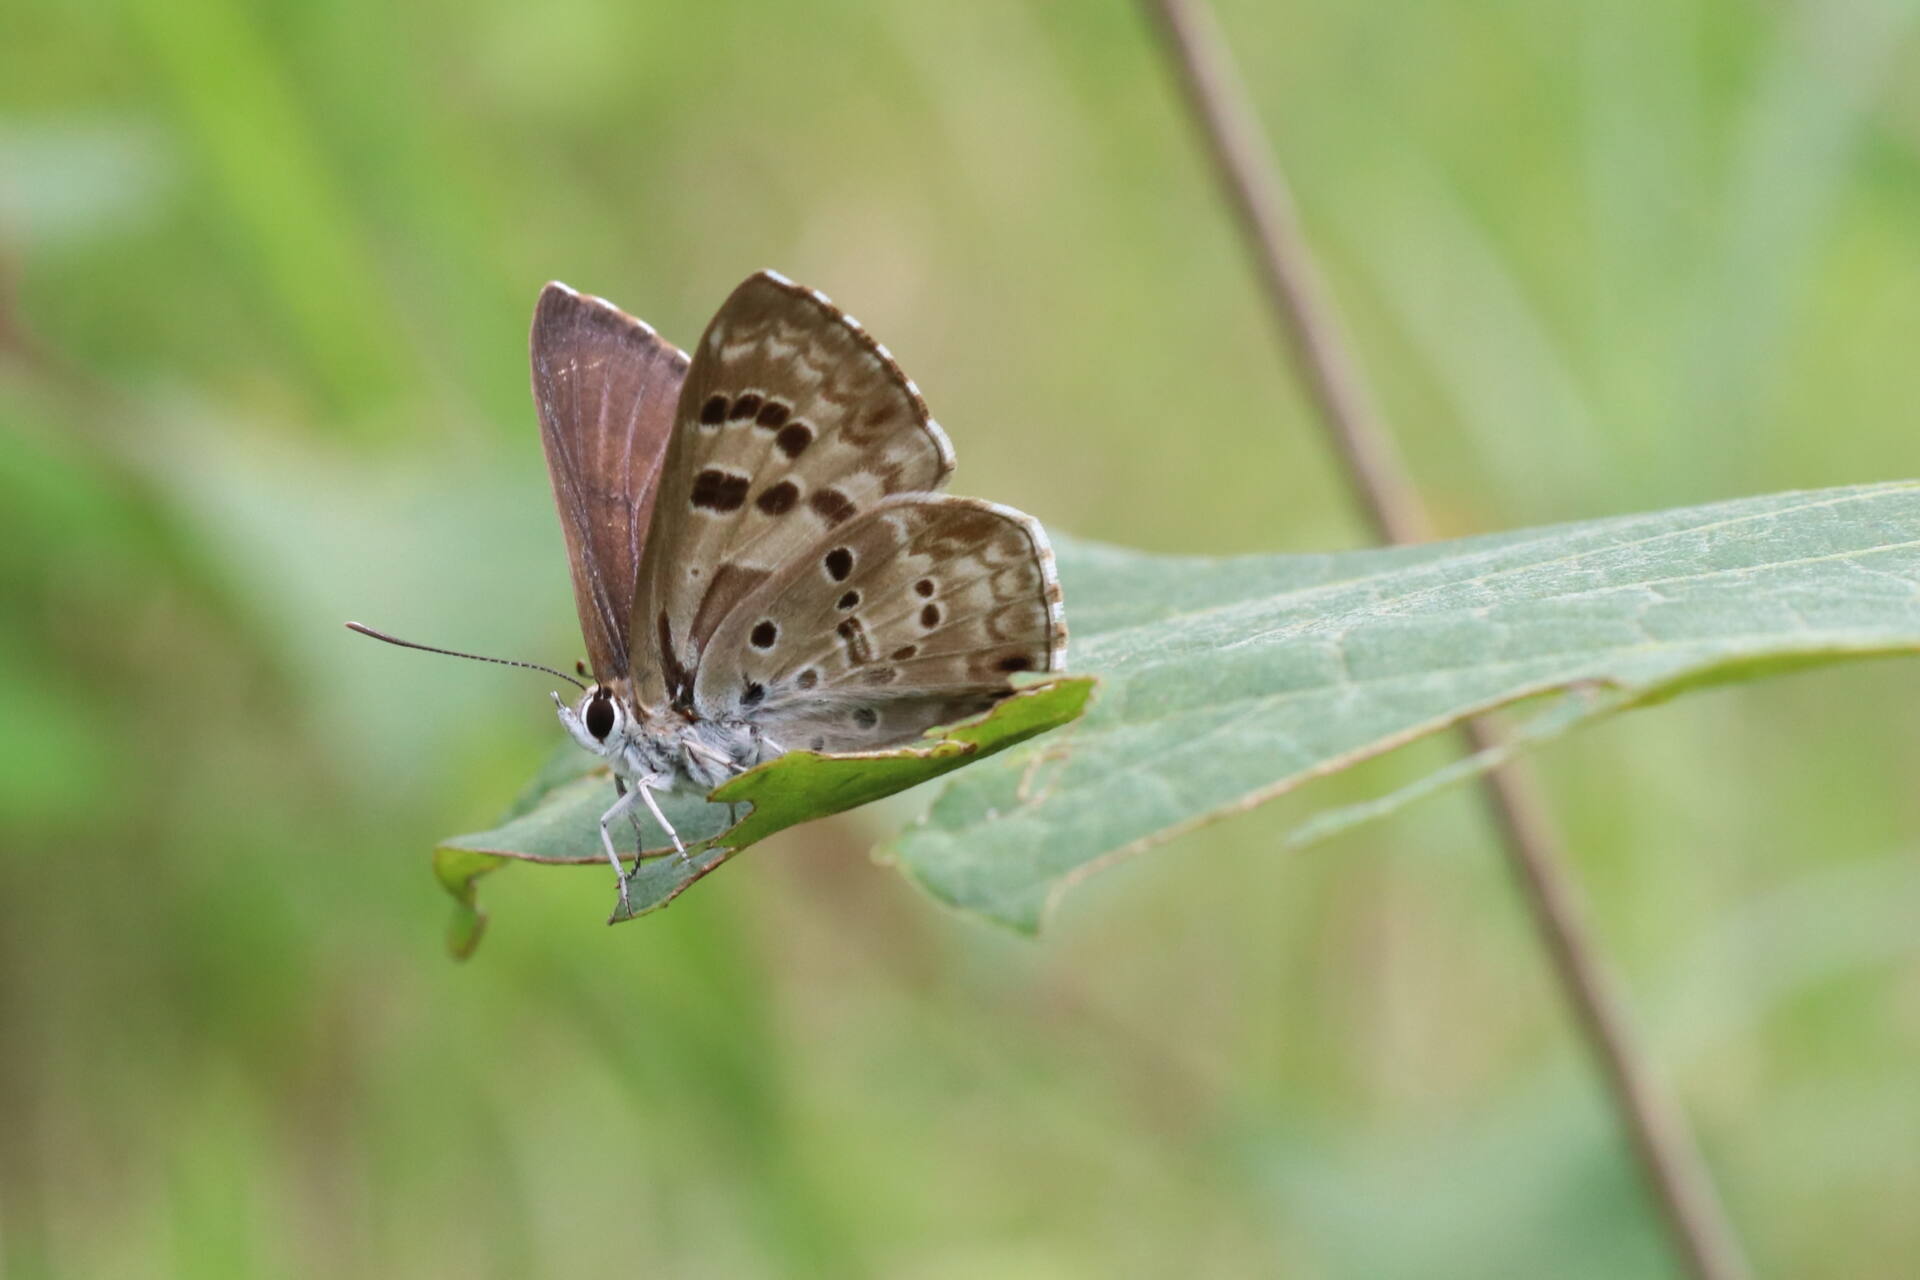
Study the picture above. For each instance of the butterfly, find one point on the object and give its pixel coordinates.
(762, 558)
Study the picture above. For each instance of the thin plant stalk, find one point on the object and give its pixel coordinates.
(1253, 184)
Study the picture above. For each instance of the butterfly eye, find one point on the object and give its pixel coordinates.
(599, 715)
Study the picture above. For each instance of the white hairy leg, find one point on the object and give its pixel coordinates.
(644, 789)
(639, 832)
(622, 808)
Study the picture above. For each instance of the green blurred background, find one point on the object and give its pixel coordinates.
(268, 269)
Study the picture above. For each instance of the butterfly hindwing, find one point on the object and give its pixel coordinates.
(911, 614)
(606, 387)
(792, 422)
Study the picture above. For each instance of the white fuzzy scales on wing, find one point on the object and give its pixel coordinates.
(792, 421)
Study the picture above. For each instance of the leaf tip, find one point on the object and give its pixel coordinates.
(458, 870)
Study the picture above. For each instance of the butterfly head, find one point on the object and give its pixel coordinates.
(599, 721)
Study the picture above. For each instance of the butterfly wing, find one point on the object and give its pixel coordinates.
(792, 422)
(910, 614)
(606, 386)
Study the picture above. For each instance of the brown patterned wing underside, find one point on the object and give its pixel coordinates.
(792, 422)
(606, 386)
(911, 614)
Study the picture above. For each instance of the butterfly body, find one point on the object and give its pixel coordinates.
(762, 560)
(662, 751)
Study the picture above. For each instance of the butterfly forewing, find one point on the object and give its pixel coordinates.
(792, 423)
(911, 614)
(606, 387)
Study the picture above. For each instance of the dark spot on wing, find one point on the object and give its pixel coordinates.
(778, 499)
(924, 586)
(854, 636)
(818, 744)
(850, 600)
(730, 584)
(870, 426)
(958, 531)
(794, 438)
(719, 490)
(753, 695)
(808, 678)
(714, 411)
(745, 407)
(678, 679)
(839, 562)
(880, 675)
(866, 717)
(904, 652)
(763, 635)
(772, 415)
(930, 616)
(1015, 662)
(831, 505)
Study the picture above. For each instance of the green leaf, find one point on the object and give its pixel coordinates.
(1227, 682)
(556, 819)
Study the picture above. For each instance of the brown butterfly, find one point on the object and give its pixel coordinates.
(761, 558)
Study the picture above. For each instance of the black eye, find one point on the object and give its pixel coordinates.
(600, 716)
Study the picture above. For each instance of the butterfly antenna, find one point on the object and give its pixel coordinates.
(455, 653)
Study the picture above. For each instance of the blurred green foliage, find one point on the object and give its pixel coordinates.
(268, 269)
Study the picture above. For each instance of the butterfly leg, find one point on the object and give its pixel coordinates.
(727, 767)
(622, 807)
(653, 807)
(639, 832)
